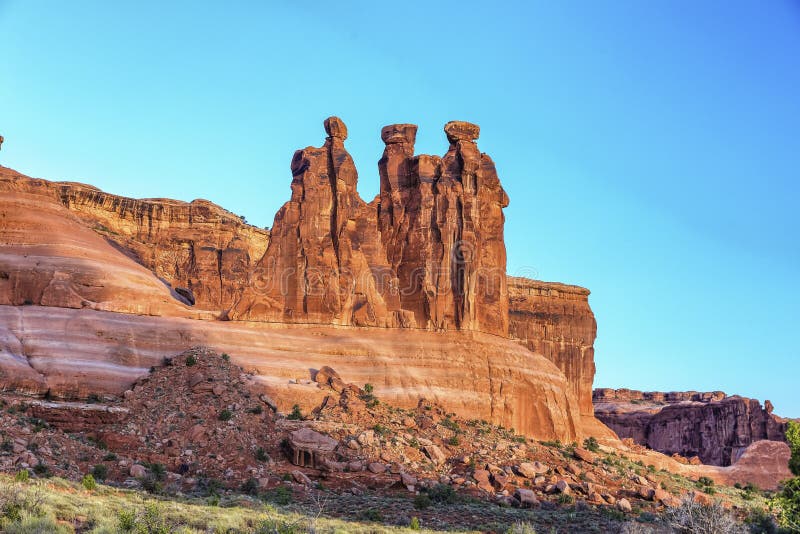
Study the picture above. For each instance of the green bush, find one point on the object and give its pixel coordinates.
(371, 514)
(591, 444)
(226, 357)
(296, 414)
(225, 415)
(261, 455)
(22, 475)
(422, 501)
(100, 471)
(88, 482)
(280, 495)
(793, 438)
(786, 505)
(414, 524)
(442, 493)
(250, 486)
(191, 360)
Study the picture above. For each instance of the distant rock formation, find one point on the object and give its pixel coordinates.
(710, 425)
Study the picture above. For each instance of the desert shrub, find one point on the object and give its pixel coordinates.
(226, 357)
(126, 520)
(100, 471)
(280, 495)
(793, 438)
(381, 430)
(110, 457)
(296, 414)
(760, 521)
(591, 444)
(371, 514)
(250, 486)
(32, 524)
(694, 518)
(786, 505)
(225, 415)
(261, 455)
(88, 482)
(368, 389)
(257, 409)
(704, 482)
(22, 475)
(41, 469)
(521, 527)
(422, 501)
(442, 493)
(454, 441)
(414, 524)
(191, 360)
(450, 424)
(565, 499)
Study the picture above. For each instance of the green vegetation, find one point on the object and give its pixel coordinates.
(191, 360)
(100, 471)
(793, 438)
(591, 444)
(225, 415)
(226, 357)
(296, 414)
(88, 482)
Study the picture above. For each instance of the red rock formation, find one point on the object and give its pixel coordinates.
(428, 253)
(712, 426)
(441, 221)
(555, 320)
(198, 245)
(324, 264)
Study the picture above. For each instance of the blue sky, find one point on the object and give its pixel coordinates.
(651, 150)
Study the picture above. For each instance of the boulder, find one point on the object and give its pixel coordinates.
(526, 497)
(308, 448)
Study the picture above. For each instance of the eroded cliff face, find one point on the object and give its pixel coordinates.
(441, 221)
(194, 245)
(555, 320)
(711, 425)
(427, 253)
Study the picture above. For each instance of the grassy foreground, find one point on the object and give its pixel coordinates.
(59, 506)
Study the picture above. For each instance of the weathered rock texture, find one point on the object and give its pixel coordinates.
(73, 353)
(555, 320)
(193, 245)
(441, 221)
(715, 427)
(427, 253)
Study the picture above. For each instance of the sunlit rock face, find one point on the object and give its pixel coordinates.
(712, 426)
(97, 288)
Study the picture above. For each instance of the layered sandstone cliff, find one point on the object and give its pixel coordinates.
(555, 320)
(712, 426)
(426, 254)
(197, 246)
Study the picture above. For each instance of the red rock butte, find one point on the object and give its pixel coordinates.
(96, 288)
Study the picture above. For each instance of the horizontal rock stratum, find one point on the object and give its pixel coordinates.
(712, 426)
(407, 292)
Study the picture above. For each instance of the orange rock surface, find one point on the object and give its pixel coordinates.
(73, 353)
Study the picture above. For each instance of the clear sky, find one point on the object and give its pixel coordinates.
(651, 150)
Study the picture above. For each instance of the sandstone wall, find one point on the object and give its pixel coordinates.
(195, 245)
(427, 253)
(73, 353)
(555, 320)
(715, 427)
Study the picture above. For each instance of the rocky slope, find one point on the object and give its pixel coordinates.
(712, 426)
